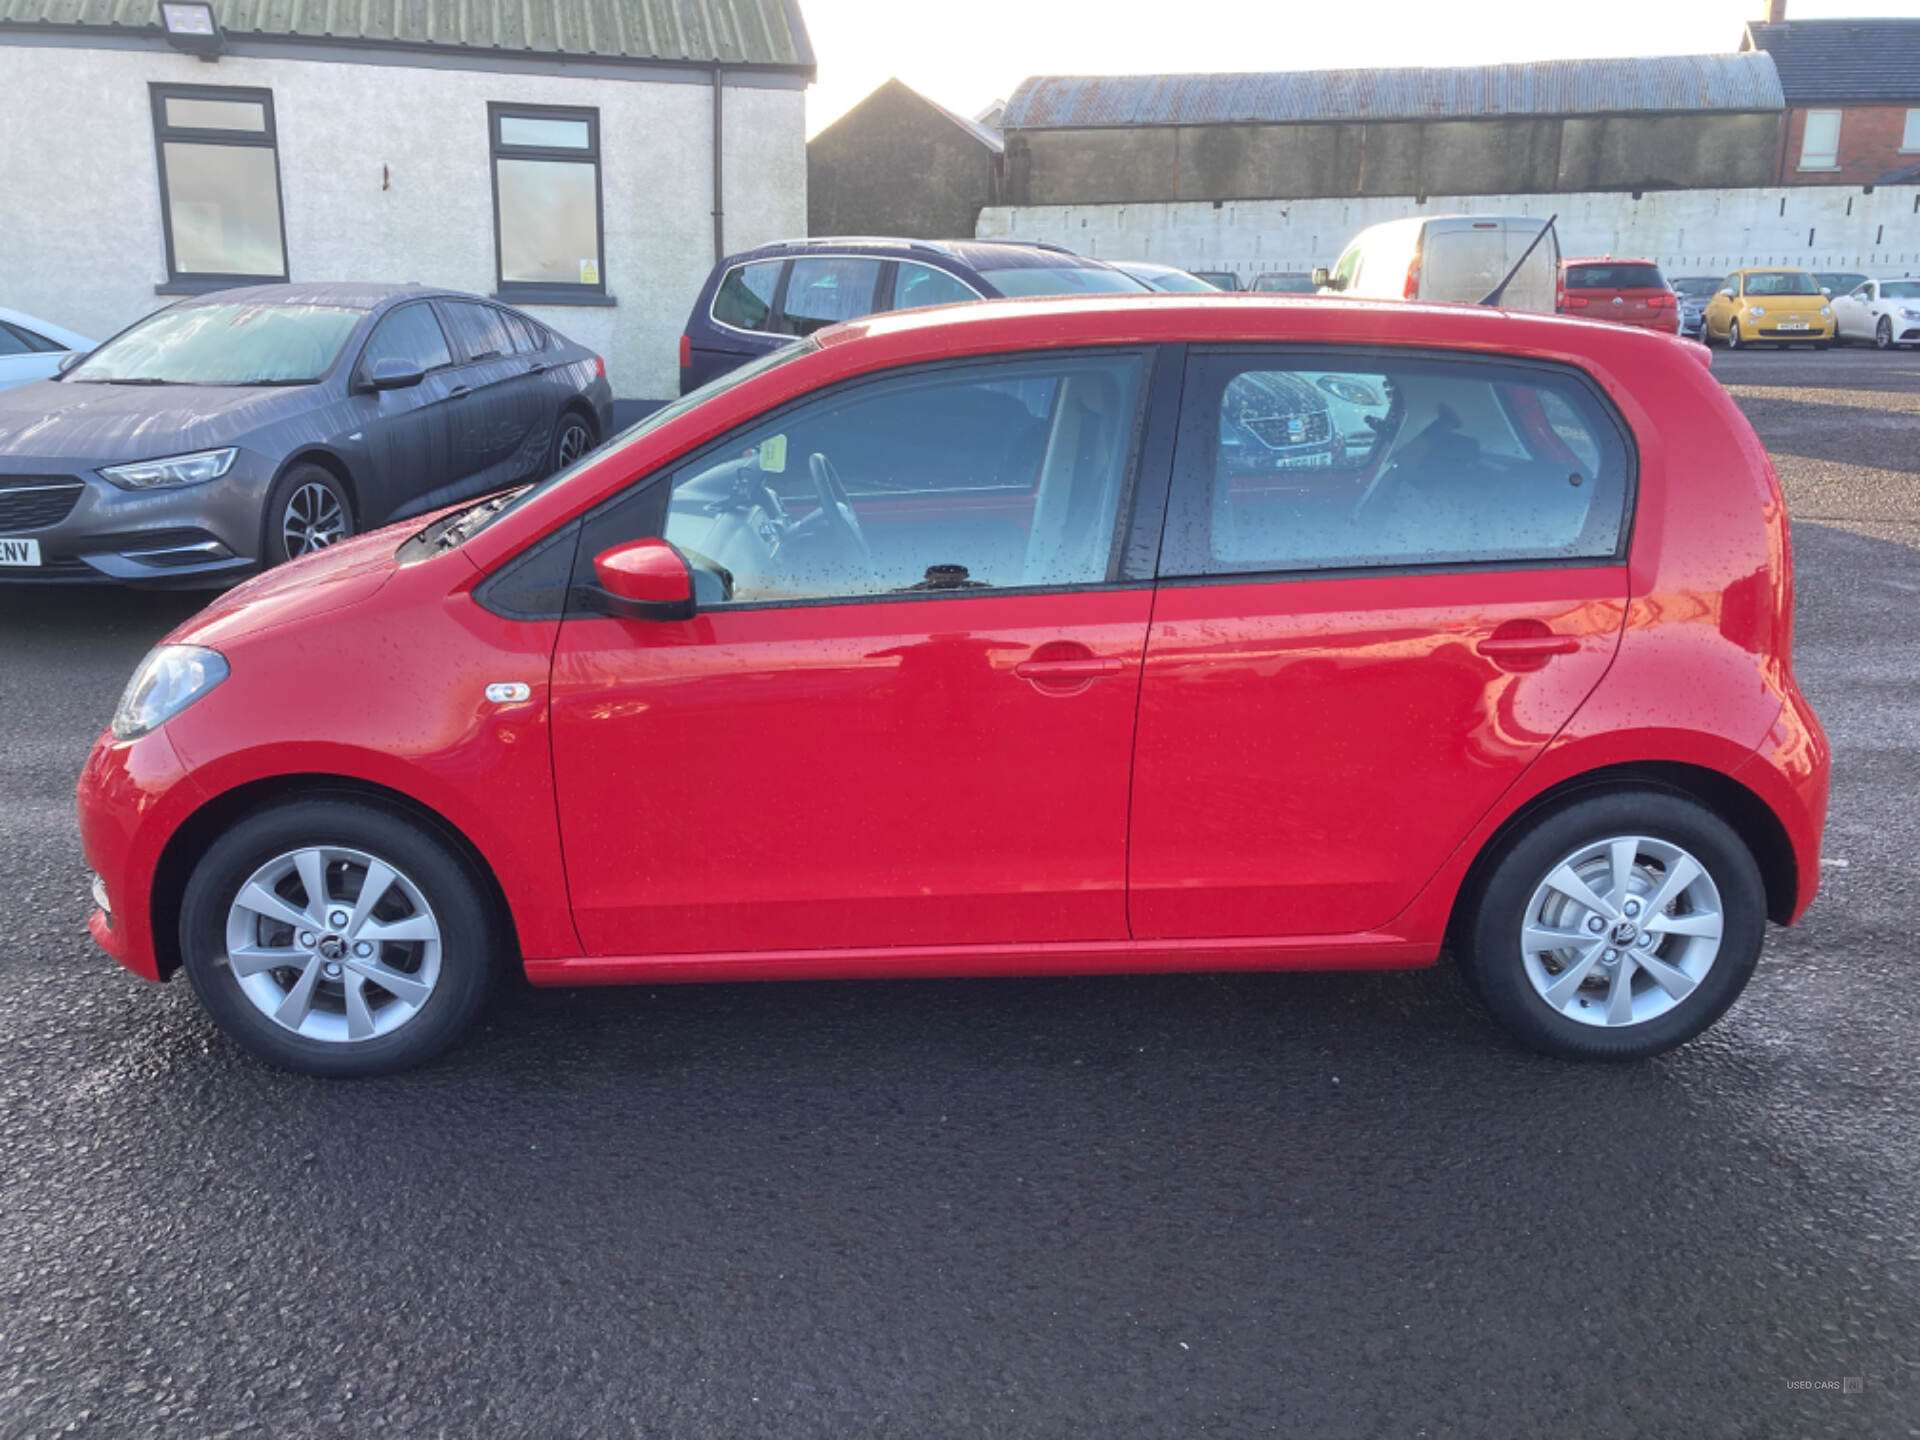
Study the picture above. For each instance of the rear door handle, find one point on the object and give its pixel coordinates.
(1057, 671)
(536, 369)
(457, 391)
(1527, 647)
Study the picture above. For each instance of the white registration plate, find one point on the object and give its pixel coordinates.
(1793, 325)
(19, 552)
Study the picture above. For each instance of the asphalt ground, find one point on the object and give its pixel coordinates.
(1260, 1204)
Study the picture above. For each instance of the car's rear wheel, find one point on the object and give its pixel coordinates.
(1617, 927)
(307, 511)
(1883, 334)
(572, 438)
(336, 938)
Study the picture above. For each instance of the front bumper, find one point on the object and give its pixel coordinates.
(131, 798)
(90, 531)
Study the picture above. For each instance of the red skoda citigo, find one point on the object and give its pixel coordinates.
(1025, 637)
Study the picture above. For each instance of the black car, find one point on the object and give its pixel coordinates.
(246, 427)
(759, 300)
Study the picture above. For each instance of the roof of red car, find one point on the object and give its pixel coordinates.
(1607, 260)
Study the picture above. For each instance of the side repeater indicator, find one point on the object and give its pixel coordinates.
(507, 692)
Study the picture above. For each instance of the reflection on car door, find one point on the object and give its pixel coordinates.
(1354, 652)
(903, 715)
(1853, 313)
(497, 431)
(408, 433)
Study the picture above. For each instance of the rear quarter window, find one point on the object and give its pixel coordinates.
(745, 297)
(1329, 462)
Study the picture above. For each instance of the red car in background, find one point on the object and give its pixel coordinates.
(1627, 292)
(1022, 638)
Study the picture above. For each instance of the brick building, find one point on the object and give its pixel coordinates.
(1852, 89)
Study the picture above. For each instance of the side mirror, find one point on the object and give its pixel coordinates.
(71, 359)
(394, 373)
(1729, 294)
(1321, 277)
(1826, 292)
(644, 580)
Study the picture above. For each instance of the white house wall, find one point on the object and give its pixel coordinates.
(1687, 231)
(384, 175)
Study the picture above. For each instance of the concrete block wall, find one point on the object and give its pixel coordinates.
(1686, 231)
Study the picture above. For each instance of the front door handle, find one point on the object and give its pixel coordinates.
(1527, 647)
(1067, 671)
(457, 391)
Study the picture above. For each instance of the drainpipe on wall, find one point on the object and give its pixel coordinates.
(719, 169)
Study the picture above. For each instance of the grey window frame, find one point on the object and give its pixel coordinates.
(1188, 528)
(199, 281)
(548, 293)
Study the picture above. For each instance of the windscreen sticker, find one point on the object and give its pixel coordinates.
(773, 455)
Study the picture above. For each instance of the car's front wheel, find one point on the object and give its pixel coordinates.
(1616, 927)
(308, 510)
(1883, 334)
(334, 937)
(1733, 334)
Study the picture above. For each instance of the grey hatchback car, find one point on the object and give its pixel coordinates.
(242, 428)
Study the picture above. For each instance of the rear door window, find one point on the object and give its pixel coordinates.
(745, 298)
(825, 290)
(1290, 463)
(480, 329)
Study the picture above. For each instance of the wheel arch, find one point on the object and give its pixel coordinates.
(330, 462)
(191, 838)
(1758, 827)
(577, 405)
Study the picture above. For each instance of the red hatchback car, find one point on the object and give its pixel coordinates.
(1027, 637)
(1625, 292)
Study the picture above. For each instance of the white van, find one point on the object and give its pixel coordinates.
(1449, 257)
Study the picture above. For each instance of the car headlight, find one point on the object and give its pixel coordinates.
(1351, 391)
(168, 680)
(192, 469)
(1906, 314)
(1826, 311)
(1758, 311)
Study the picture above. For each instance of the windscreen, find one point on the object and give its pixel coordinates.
(1615, 277)
(1015, 281)
(1900, 290)
(1781, 282)
(223, 345)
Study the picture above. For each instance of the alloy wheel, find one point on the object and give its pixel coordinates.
(1621, 931)
(574, 442)
(1883, 334)
(314, 519)
(333, 944)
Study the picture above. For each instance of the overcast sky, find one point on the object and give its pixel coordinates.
(969, 53)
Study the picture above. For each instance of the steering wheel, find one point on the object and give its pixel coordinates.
(836, 509)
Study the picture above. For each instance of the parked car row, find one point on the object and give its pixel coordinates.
(250, 426)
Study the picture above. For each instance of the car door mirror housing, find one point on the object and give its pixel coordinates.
(1321, 277)
(644, 580)
(71, 359)
(394, 373)
(1728, 294)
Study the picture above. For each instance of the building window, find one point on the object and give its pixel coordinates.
(1910, 137)
(1820, 141)
(546, 203)
(219, 184)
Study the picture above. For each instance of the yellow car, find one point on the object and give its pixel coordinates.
(1776, 306)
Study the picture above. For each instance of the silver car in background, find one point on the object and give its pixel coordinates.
(246, 427)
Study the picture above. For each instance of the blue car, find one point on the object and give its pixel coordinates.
(759, 300)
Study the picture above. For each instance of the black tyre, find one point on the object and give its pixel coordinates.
(1883, 334)
(572, 438)
(1733, 335)
(291, 963)
(1616, 927)
(307, 510)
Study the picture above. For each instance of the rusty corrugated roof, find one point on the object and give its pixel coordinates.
(1467, 92)
(734, 32)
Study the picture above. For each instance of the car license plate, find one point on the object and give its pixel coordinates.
(1793, 325)
(19, 552)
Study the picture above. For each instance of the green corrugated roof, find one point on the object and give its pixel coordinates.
(735, 32)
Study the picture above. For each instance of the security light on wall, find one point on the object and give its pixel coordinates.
(190, 26)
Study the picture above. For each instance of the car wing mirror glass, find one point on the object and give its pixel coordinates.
(643, 580)
(394, 373)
